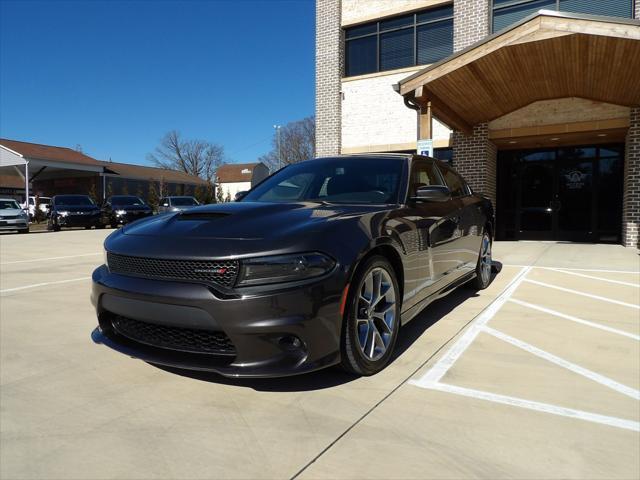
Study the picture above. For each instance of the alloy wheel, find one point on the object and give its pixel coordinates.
(485, 259)
(376, 313)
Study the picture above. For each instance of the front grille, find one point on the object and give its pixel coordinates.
(174, 338)
(10, 217)
(220, 272)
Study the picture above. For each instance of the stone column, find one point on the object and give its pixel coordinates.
(329, 68)
(631, 195)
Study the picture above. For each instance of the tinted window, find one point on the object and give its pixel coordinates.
(435, 41)
(8, 205)
(66, 200)
(340, 180)
(507, 12)
(454, 182)
(505, 16)
(396, 49)
(423, 174)
(398, 42)
(126, 200)
(361, 56)
(183, 201)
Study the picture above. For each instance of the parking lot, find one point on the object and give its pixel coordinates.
(536, 377)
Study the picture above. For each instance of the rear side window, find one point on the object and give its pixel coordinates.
(455, 183)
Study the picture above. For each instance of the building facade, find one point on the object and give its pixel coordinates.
(535, 102)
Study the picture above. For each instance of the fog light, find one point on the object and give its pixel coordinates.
(290, 342)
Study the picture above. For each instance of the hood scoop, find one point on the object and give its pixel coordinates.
(202, 215)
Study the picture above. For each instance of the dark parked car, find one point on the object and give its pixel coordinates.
(73, 211)
(317, 265)
(121, 209)
(176, 204)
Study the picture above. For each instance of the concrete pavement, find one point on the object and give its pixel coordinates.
(72, 409)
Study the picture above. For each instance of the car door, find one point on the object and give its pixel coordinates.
(467, 241)
(429, 241)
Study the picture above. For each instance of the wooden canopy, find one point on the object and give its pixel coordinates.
(550, 55)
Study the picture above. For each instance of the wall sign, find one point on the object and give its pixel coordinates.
(425, 147)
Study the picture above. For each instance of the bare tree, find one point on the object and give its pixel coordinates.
(297, 143)
(195, 157)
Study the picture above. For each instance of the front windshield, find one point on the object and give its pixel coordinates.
(337, 180)
(183, 201)
(127, 201)
(75, 200)
(9, 205)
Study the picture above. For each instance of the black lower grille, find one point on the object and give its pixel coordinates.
(174, 338)
(220, 272)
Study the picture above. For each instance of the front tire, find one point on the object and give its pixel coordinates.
(372, 318)
(483, 267)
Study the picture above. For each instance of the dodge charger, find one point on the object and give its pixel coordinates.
(318, 265)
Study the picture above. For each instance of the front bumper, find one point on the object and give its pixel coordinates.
(285, 332)
(128, 217)
(78, 220)
(14, 224)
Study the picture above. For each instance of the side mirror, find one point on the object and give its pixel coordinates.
(432, 193)
(240, 195)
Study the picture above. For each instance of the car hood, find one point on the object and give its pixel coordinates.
(243, 220)
(10, 212)
(76, 208)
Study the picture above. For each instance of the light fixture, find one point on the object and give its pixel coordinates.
(602, 135)
(512, 141)
(554, 139)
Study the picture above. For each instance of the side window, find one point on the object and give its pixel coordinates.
(423, 174)
(454, 182)
(163, 201)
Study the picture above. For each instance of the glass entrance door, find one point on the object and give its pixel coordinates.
(570, 193)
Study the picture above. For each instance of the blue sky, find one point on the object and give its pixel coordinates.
(115, 76)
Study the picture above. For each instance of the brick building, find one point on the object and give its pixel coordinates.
(538, 109)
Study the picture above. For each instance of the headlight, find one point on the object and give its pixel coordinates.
(284, 268)
(120, 212)
(63, 213)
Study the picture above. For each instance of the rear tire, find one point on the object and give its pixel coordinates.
(371, 319)
(483, 267)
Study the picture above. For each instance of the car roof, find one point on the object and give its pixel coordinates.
(7, 198)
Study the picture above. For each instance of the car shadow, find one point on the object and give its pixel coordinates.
(331, 377)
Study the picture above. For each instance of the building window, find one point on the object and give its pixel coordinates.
(507, 12)
(419, 38)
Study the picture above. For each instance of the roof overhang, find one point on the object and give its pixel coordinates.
(546, 56)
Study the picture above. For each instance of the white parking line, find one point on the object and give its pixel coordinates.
(575, 319)
(538, 352)
(617, 282)
(635, 272)
(576, 292)
(448, 359)
(537, 406)
(36, 285)
(51, 258)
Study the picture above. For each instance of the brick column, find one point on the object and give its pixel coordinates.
(329, 67)
(474, 157)
(470, 22)
(631, 195)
